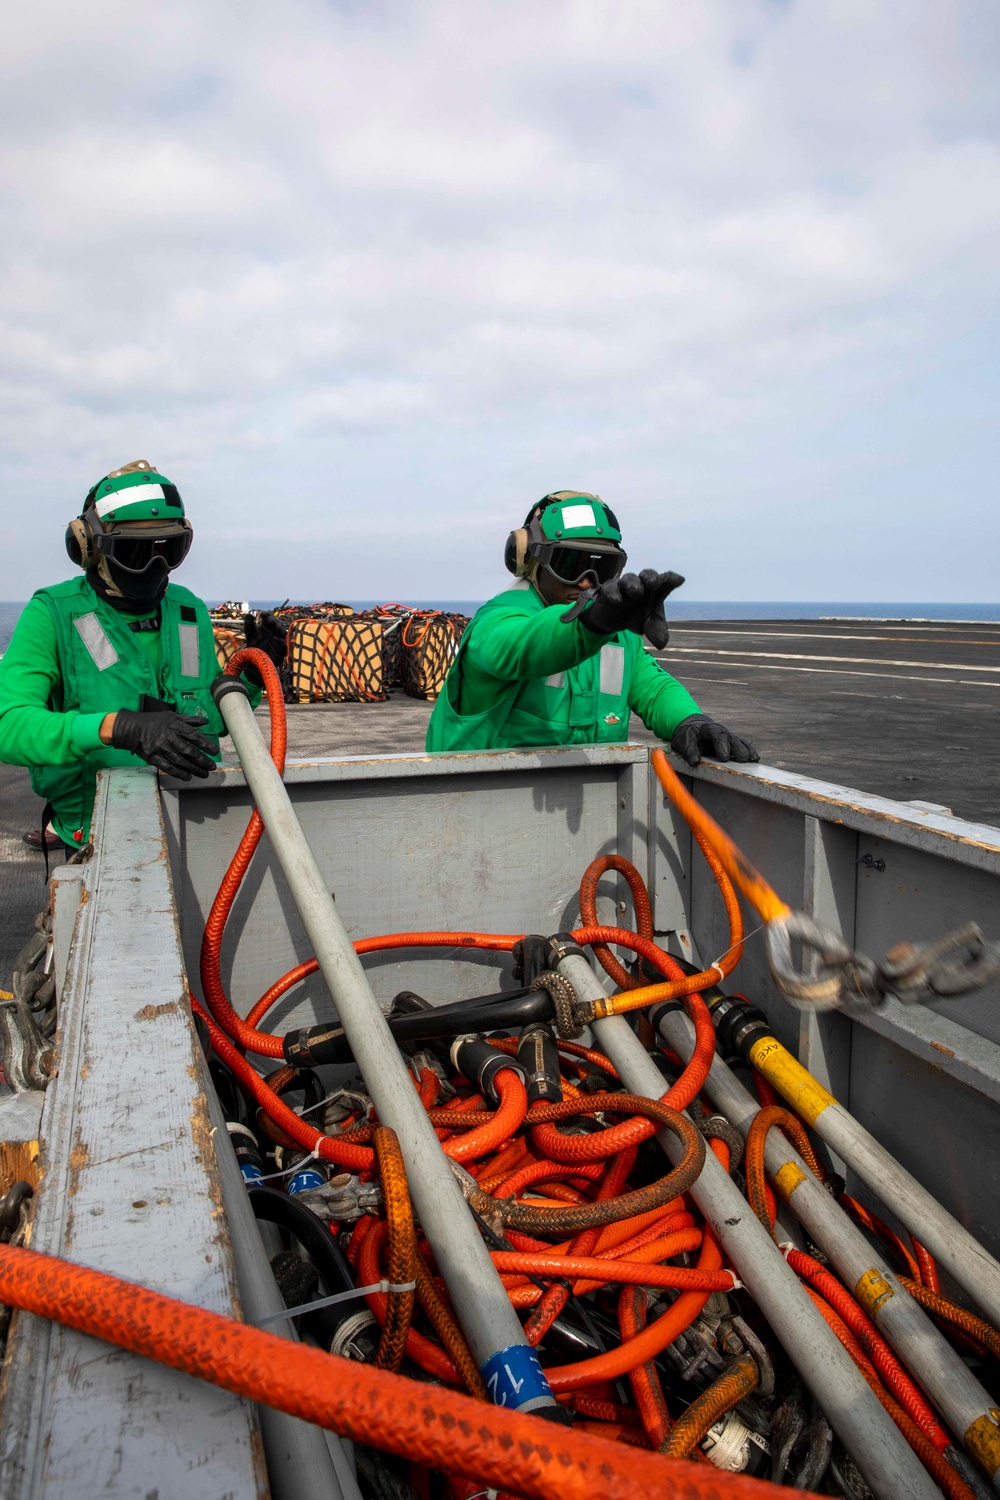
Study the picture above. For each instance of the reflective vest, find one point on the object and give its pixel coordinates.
(103, 667)
(584, 705)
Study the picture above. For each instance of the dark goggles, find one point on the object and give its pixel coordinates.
(574, 564)
(136, 554)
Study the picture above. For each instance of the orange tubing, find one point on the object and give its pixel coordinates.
(768, 905)
(438, 1428)
(402, 1247)
(623, 1272)
(588, 911)
(542, 1171)
(958, 1317)
(928, 1266)
(211, 979)
(774, 1116)
(613, 1179)
(722, 1395)
(881, 1230)
(330, 1147)
(654, 1338)
(910, 1398)
(508, 1118)
(644, 1379)
(940, 1470)
(428, 1355)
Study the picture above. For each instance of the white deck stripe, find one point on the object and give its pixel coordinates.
(866, 661)
(813, 635)
(753, 666)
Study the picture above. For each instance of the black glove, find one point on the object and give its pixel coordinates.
(169, 741)
(630, 602)
(699, 735)
(268, 635)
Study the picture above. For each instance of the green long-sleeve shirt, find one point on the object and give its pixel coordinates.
(31, 734)
(42, 725)
(524, 677)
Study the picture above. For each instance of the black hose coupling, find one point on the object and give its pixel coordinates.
(539, 1057)
(737, 1026)
(480, 1063)
(534, 954)
(223, 685)
(316, 1044)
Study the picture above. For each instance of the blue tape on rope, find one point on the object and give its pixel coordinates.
(514, 1378)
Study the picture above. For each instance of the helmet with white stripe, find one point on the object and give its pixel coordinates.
(135, 492)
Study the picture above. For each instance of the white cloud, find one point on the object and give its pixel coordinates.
(428, 255)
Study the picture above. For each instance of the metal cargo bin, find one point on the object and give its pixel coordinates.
(136, 1178)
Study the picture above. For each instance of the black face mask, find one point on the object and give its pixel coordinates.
(138, 590)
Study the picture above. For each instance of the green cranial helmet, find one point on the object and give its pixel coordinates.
(573, 535)
(132, 529)
(572, 516)
(136, 492)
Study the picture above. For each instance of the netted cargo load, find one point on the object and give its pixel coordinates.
(328, 610)
(228, 640)
(334, 661)
(392, 618)
(429, 641)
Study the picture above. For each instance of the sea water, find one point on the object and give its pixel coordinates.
(690, 609)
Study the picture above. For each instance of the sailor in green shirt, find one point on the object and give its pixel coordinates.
(558, 658)
(114, 667)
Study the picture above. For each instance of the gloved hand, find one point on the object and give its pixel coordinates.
(629, 602)
(699, 735)
(168, 741)
(268, 635)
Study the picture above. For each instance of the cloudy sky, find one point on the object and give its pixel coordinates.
(366, 277)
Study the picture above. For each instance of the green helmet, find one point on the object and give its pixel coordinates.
(129, 558)
(572, 534)
(136, 492)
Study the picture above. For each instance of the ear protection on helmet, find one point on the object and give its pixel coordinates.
(515, 553)
(78, 543)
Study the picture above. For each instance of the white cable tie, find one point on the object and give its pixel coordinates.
(720, 971)
(737, 1285)
(786, 1247)
(299, 1165)
(356, 1291)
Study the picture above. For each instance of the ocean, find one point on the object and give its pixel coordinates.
(691, 609)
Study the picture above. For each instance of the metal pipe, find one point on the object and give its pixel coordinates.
(945, 1377)
(889, 1465)
(508, 1363)
(303, 1461)
(965, 1259)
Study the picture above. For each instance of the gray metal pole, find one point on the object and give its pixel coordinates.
(945, 1377)
(886, 1460)
(303, 1461)
(966, 1260)
(969, 1262)
(508, 1363)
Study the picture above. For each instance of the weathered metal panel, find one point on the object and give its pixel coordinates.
(130, 1185)
(924, 1079)
(410, 848)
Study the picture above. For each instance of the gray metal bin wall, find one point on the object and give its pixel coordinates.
(494, 843)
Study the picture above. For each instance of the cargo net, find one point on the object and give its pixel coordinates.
(228, 640)
(429, 646)
(328, 610)
(334, 660)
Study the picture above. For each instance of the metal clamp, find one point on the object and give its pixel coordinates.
(343, 1199)
(954, 965)
(838, 978)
